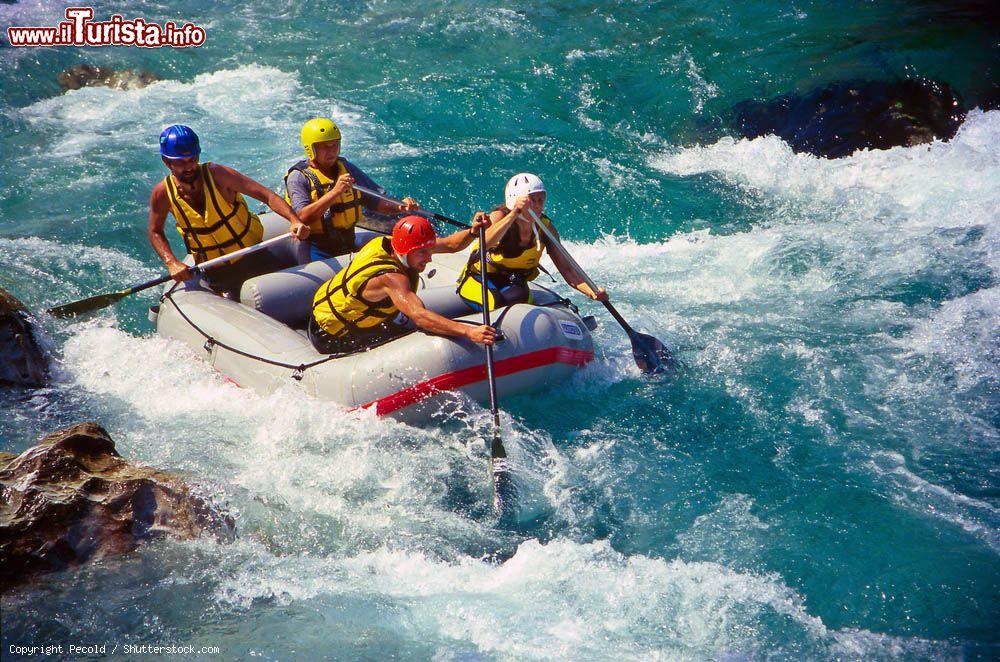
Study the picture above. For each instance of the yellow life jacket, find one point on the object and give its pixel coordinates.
(507, 258)
(505, 263)
(334, 231)
(339, 306)
(221, 229)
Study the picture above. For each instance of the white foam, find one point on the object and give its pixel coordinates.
(963, 332)
(921, 186)
(492, 20)
(901, 209)
(857, 237)
(215, 104)
(730, 534)
(47, 270)
(563, 600)
(701, 89)
(972, 515)
(379, 480)
(587, 101)
(578, 54)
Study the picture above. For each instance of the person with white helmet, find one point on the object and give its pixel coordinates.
(319, 189)
(514, 250)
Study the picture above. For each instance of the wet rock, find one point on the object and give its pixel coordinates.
(978, 12)
(73, 498)
(23, 359)
(85, 75)
(844, 117)
(989, 100)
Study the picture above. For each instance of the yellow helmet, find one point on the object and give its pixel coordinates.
(318, 130)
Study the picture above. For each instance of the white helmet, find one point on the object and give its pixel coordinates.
(520, 184)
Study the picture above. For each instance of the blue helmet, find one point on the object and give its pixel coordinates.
(179, 142)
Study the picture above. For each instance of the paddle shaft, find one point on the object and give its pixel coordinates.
(214, 262)
(559, 248)
(503, 487)
(422, 212)
(103, 300)
(490, 374)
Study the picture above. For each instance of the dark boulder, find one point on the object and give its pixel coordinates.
(841, 118)
(85, 75)
(23, 359)
(73, 498)
(982, 13)
(989, 100)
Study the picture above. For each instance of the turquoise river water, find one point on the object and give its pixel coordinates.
(822, 480)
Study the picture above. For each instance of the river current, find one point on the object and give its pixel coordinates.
(821, 480)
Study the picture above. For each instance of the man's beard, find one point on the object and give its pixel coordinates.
(188, 177)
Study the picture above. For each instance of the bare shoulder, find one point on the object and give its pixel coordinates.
(158, 197)
(222, 173)
(229, 181)
(394, 281)
(550, 225)
(393, 285)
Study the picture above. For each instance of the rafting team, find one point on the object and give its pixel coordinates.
(356, 307)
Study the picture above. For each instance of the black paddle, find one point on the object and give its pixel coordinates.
(105, 300)
(422, 212)
(503, 485)
(651, 355)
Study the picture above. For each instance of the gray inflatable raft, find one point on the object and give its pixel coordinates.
(260, 341)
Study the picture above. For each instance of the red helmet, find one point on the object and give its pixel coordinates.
(411, 234)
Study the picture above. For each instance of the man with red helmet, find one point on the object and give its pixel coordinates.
(354, 309)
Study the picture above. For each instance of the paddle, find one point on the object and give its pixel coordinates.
(651, 355)
(422, 212)
(105, 300)
(503, 485)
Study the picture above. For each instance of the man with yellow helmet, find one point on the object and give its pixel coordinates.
(206, 201)
(319, 189)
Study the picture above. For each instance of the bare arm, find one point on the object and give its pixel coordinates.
(459, 240)
(573, 277)
(397, 287)
(389, 208)
(159, 206)
(500, 223)
(228, 180)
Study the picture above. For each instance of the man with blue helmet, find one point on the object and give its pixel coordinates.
(206, 201)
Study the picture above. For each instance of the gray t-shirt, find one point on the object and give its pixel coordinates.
(298, 187)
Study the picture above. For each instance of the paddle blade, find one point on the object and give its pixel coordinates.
(503, 489)
(650, 354)
(503, 482)
(87, 305)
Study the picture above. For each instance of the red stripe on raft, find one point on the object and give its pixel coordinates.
(455, 380)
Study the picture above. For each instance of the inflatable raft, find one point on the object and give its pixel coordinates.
(260, 342)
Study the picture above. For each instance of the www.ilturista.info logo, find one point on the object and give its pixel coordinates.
(80, 30)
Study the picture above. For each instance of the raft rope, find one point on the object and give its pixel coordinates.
(560, 300)
(299, 370)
